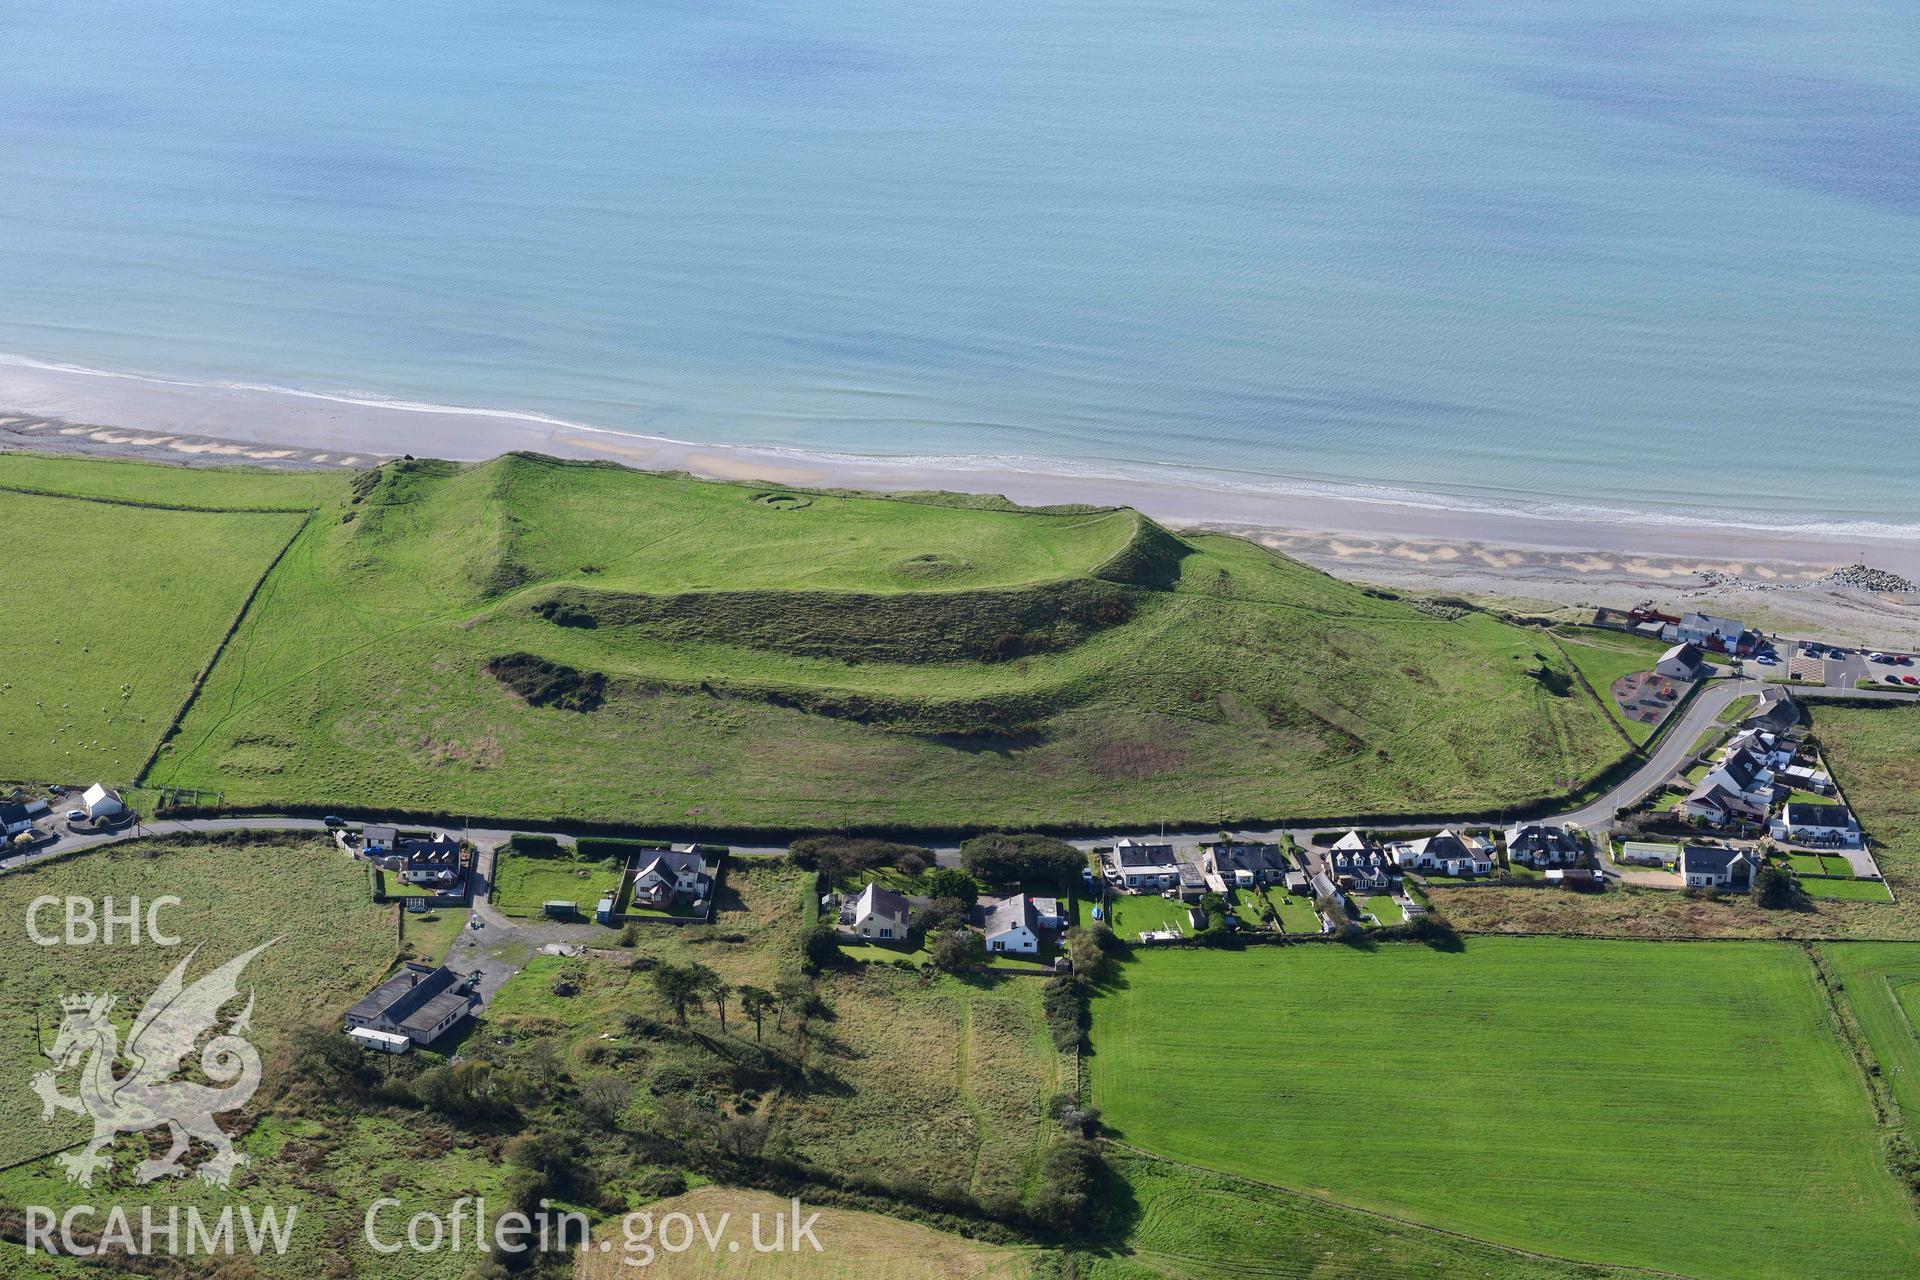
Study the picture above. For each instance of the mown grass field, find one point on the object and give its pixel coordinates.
(118, 608)
(227, 488)
(853, 1246)
(1534, 1093)
(522, 884)
(920, 662)
(335, 945)
(1880, 981)
(1181, 1223)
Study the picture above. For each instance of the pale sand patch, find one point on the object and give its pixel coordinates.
(1644, 568)
(726, 468)
(1405, 552)
(319, 457)
(75, 431)
(207, 446)
(1347, 550)
(1499, 559)
(265, 454)
(1586, 564)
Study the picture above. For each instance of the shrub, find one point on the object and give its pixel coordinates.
(956, 948)
(842, 857)
(1065, 1005)
(531, 846)
(600, 848)
(951, 882)
(1008, 859)
(549, 684)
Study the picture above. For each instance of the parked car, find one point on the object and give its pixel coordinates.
(334, 823)
(1911, 679)
(54, 789)
(1891, 678)
(1767, 660)
(76, 815)
(1876, 657)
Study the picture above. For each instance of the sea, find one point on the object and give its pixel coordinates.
(1660, 258)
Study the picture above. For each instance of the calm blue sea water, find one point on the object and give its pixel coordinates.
(1660, 255)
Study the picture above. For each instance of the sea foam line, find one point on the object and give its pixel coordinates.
(1107, 469)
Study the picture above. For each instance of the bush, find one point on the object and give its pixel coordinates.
(1009, 859)
(530, 846)
(1065, 1005)
(1773, 887)
(600, 848)
(956, 948)
(951, 882)
(843, 857)
(819, 946)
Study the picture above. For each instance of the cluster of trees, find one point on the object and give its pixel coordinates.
(694, 986)
(1015, 859)
(844, 857)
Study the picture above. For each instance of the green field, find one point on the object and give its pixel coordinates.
(1605, 656)
(1847, 890)
(1129, 914)
(1538, 1093)
(1191, 1224)
(1880, 982)
(522, 884)
(122, 608)
(786, 660)
(335, 945)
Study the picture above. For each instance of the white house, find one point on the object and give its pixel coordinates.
(14, 819)
(660, 878)
(1540, 846)
(1711, 867)
(1721, 634)
(1817, 824)
(878, 913)
(99, 802)
(1010, 926)
(1448, 852)
(1048, 915)
(1146, 868)
(1682, 662)
(1745, 773)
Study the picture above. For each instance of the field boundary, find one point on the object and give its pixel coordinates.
(233, 627)
(156, 506)
(1411, 1223)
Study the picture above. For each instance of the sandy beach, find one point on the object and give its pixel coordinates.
(1776, 579)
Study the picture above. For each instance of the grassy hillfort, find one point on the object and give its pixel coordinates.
(542, 638)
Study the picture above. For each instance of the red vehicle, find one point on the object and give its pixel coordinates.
(1910, 679)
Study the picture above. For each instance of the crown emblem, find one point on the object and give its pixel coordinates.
(83, 1002)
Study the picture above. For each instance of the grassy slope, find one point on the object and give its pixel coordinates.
(234, 897)
(1875, 756)
(1254, 686)
(1605, 656)
(1881, 983)
(1534, 1093)
(121, 607)
(1190, 1224)
(965, 1067)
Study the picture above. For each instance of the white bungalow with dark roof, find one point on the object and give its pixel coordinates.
(1831, 825)
(1010, 926)
(1713, 867)
(1356, 862)
(1540, 846)
(101, 801)
(878, 913)
(1146, 868)
(1682, 662)
(1448, 852)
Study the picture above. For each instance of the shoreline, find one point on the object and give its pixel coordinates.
(1521, 559)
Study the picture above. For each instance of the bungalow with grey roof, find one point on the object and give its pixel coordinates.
(421, 1003)
(1010, 926)
(1141, 867)
(1682, 662)
(1539, 845)
(1447, 852)
(1705, 866)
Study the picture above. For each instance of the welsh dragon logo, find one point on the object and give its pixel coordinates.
(148, 1095)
